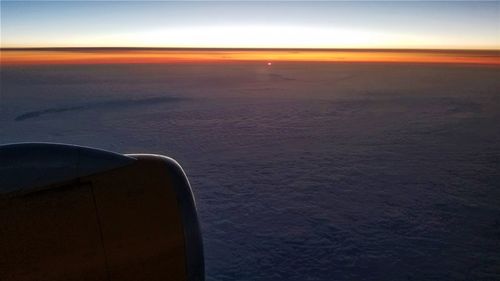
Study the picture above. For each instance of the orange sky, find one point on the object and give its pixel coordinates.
(118, 56)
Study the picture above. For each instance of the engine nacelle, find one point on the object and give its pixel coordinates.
(75, 213)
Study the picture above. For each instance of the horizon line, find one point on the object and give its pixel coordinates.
(242, 49)
(103, 55)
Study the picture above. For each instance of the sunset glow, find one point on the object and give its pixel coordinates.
(121, 56)
(98, 32)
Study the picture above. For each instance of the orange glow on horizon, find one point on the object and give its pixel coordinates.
(145, 56)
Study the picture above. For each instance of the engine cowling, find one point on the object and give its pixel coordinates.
(77, 213)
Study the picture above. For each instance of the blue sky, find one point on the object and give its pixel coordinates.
(290, 24)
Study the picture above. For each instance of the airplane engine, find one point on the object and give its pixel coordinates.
(76, 213)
